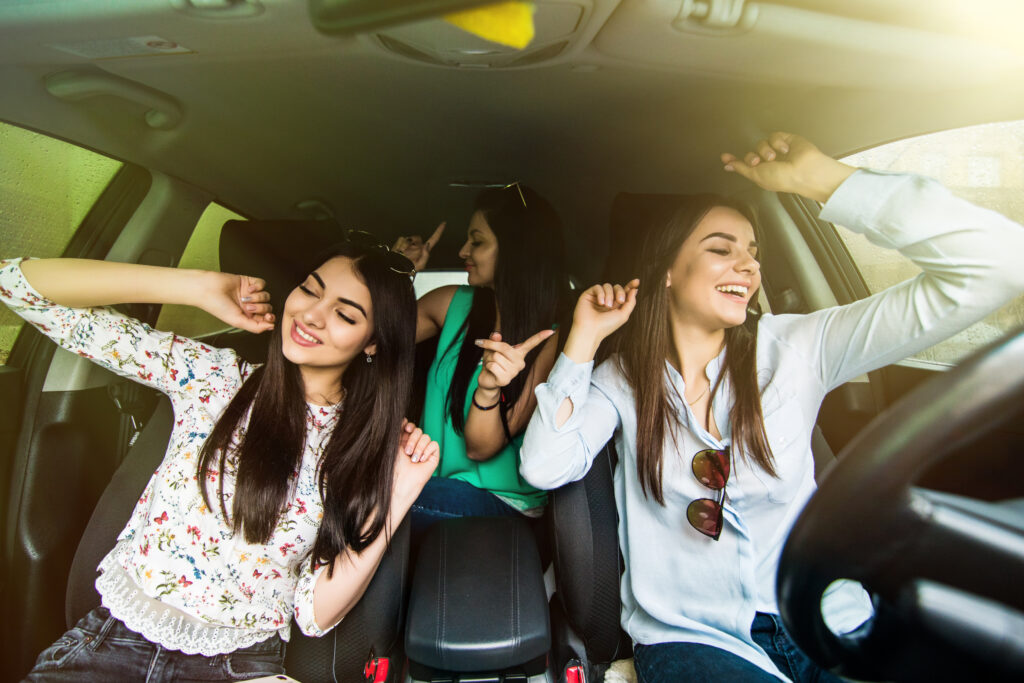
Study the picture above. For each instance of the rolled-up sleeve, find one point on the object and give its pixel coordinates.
(304, 617)
(554, 455)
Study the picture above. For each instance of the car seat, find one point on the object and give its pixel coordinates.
(276, 251)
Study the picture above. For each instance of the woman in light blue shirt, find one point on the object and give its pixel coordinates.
(711, 405)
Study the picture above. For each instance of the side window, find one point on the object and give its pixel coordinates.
(202, 253)
(47, 186)
(432, 279)
(983, 164)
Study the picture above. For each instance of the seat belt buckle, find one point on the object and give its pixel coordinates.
(574, 672)
(376, 668)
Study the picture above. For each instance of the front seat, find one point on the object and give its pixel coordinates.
(376, 623)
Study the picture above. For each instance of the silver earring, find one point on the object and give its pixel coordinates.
(369, 358)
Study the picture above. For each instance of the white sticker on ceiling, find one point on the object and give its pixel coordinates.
(110, 48)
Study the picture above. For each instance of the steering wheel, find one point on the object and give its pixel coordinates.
(946, 572)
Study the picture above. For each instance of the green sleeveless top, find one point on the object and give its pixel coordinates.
(500, 474)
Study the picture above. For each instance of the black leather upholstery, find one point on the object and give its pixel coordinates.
(280, 252)
(113, 510)
(478, 601)
(631, 215)
(584, 536)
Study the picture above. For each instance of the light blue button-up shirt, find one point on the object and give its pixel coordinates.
(681, 586)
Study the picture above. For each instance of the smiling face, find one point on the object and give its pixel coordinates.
(480, 252)
(715, 272)
(328, 320)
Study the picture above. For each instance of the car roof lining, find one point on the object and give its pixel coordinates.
(379, 139)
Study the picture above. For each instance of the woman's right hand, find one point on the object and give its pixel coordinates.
(415, 462)
(239, 300)
(416, 250)
(601, 310)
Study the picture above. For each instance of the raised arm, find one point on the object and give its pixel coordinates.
(238, 300)
(574, 419)
(416, 249)
(600, 311)
(970, 258)
(63, 299)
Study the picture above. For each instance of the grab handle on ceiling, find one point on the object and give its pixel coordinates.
(164, 112)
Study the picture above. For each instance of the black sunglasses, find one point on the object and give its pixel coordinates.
(711, 467)
(396, 262)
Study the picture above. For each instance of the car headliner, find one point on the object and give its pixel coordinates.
(276, 113)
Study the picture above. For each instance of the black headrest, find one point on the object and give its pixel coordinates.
(632, 215)
(280, 252)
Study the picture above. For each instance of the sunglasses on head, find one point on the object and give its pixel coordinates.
(711, 467)
(396, 262)
(515, 184)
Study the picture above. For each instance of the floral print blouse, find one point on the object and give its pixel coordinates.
(178, 574)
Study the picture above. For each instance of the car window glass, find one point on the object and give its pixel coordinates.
(983, 164)
(47, 186)
(432, 279)
(202, 252)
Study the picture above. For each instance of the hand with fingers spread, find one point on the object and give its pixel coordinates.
(415, 463)
(502, 362)
(414, 248)
(239, 300)
(784, 162)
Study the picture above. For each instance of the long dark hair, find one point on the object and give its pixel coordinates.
(357, 466)
(531, 288)
(645, 341)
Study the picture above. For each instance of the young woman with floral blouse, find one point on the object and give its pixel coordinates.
(281, 483)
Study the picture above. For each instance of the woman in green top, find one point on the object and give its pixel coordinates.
(496, 344)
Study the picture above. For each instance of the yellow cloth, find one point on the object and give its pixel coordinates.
(507, 23)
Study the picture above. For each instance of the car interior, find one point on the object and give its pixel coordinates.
(291, 122)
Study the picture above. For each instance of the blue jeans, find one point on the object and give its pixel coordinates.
(444, 498)
(102, 648)
(673, 662)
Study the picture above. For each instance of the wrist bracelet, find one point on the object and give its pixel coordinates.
(491, 407)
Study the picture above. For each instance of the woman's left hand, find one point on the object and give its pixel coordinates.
(415, 463)
(502, 362)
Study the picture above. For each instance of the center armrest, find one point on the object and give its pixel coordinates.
(478, 601)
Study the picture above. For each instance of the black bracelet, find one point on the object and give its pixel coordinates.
(498, 403)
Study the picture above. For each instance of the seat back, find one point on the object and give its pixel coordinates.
(280, 252)
(584, 538)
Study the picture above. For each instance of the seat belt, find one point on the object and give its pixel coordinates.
(134, 404)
